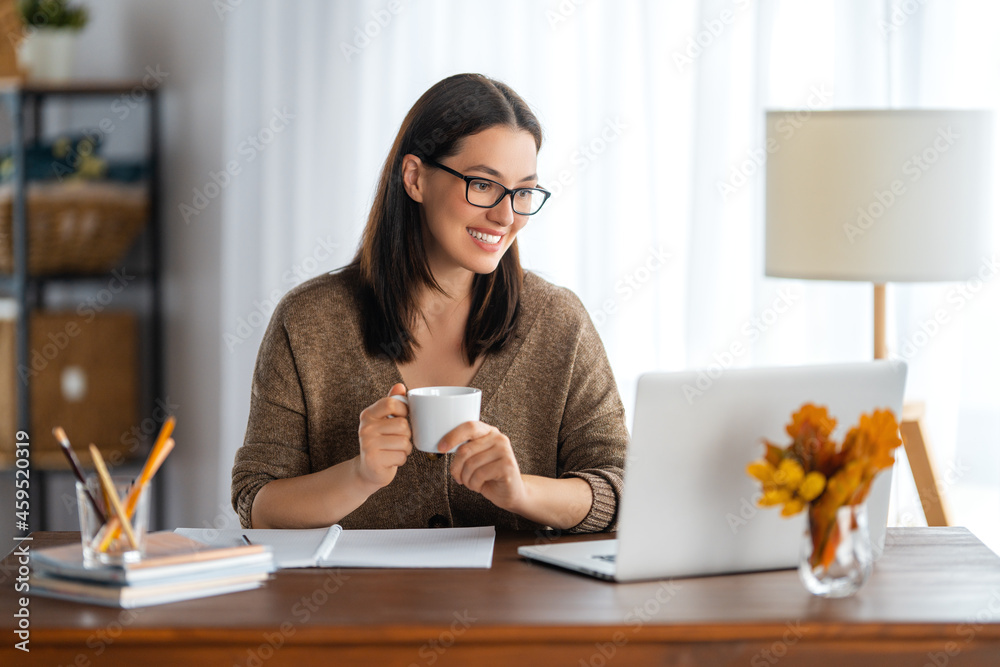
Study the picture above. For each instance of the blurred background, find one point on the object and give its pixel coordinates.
(275, 118)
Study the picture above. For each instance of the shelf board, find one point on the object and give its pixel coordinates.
(55, 460)
(70, 88)
(7, 280)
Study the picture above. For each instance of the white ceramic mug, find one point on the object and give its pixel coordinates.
(434, 411)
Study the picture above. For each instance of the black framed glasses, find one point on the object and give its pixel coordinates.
(484, 193)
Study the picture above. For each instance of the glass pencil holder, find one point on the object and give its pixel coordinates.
(104, 539)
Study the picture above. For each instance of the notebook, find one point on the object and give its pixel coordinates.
(168, 556)
(126, 596)
(334, 547)
(174, 568)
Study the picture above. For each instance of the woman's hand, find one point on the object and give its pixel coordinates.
(385, 439)
(486, 464)
(325, 497)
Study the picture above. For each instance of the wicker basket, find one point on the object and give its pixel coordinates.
(74, 227)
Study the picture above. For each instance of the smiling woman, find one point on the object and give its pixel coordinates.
(436, 296)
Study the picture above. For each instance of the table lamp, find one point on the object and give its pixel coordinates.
(881, 196)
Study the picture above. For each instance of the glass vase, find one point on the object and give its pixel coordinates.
(836, 557)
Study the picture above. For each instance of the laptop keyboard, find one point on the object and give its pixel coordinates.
(608, 557)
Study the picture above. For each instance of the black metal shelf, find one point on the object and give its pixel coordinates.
(24, 101)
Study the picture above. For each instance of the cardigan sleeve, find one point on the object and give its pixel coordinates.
(275, 445)
(592, 436)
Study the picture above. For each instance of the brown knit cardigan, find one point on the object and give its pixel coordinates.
(551, 391)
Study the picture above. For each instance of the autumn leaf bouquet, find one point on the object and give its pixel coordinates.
(814, 473)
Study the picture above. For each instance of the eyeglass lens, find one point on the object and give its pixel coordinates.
(487, 193)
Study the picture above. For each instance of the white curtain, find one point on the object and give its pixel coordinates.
(653, 114)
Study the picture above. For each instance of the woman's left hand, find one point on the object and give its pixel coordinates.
(486, 464)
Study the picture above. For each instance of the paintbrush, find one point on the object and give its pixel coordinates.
(77, 470)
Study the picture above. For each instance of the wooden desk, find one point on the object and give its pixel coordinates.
(934, 600)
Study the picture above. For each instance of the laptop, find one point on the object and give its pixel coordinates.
(689, 507)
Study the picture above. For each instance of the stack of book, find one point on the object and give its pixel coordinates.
(174, 568)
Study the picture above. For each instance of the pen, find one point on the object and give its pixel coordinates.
(246, 539)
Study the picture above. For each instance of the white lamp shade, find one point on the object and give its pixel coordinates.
(878, 195)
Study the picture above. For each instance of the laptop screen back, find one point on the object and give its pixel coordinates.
(689, 507)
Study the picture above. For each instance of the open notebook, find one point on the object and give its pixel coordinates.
(335, 547)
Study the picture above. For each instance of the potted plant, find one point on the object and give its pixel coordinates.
(51, 29)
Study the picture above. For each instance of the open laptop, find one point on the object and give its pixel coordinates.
(689, 507)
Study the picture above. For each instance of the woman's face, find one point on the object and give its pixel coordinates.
(499, 153)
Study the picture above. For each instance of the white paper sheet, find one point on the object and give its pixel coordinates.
(403, 548)
(415, 548)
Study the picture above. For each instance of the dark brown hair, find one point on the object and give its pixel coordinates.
(391, 263)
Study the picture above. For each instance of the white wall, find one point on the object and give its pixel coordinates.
(185, 39)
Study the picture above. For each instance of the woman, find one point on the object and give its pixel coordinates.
(436, 296)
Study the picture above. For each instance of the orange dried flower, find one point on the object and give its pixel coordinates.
(811, 419)
(813, 471)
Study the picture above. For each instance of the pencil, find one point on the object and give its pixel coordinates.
(148, 470)
(109, 488)
(156, 459)
(77, 471)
